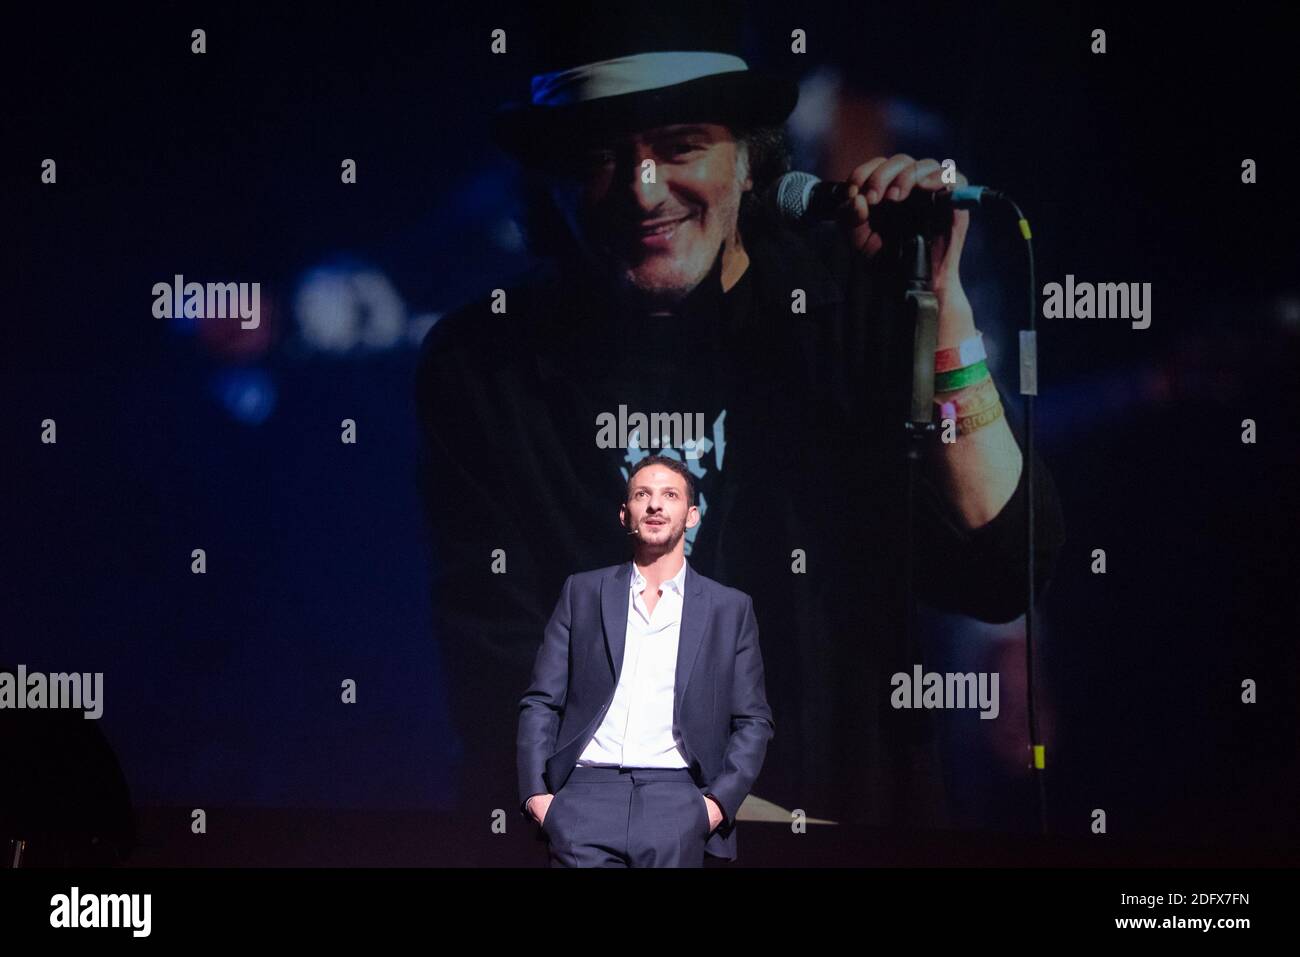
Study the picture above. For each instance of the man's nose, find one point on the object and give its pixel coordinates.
(649, 195)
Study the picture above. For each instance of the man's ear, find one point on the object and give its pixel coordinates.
(692, 516)
(622, 515)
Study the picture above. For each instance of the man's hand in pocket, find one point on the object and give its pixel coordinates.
(538, 805)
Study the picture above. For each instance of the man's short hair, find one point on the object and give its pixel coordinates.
(546, 233)
(667, 462)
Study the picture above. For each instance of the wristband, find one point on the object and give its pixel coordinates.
(965, 353)
(960, 378)
(973, 423)
(972, 401)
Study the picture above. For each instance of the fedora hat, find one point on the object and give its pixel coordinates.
(612, 70)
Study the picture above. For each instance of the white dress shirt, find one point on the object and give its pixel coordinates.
(637, 730)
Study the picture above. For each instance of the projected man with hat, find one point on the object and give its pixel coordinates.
(667, 287)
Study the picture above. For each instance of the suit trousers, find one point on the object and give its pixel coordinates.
(627, 817)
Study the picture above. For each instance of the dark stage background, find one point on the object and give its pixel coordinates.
(222, 690)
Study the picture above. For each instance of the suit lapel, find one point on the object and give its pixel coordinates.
(615, 591)
(695, 619)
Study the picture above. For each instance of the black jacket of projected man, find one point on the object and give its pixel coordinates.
(805, 458)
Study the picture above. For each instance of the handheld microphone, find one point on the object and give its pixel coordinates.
(803, 198)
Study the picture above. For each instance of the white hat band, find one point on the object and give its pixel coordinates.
(630, 74)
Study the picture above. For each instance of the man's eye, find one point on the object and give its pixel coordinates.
(682, 149)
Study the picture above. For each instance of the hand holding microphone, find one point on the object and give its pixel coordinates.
(884, 199)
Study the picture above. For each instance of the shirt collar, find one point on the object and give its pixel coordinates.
(677, 583)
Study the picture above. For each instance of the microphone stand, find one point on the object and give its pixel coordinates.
(923, 313)
(922, 310)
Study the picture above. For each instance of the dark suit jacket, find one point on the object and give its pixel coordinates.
(720, 714)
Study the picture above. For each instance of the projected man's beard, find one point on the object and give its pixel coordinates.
(662, 268)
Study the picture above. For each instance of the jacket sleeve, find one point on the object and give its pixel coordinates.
(751, 725)
(983, 572)
(980, 572)
(542, 706)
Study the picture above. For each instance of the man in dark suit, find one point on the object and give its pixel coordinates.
(647, 720)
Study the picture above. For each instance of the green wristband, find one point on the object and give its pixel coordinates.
(960, 378)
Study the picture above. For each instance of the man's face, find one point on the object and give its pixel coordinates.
(656, 509)
(657, 239)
